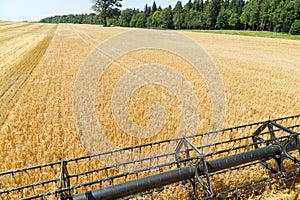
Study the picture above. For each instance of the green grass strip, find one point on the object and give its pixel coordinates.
(265, 34)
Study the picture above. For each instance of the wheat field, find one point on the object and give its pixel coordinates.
(22, 47)
(39, 64)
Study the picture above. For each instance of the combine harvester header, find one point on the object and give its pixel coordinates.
(248, 159)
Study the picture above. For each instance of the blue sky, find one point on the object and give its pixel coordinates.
(35, 10)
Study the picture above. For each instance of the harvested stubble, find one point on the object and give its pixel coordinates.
(22, 47)
(261, 78)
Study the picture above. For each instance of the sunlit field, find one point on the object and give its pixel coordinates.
(39, 64)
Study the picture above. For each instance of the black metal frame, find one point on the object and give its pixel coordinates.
(64, 182)
(196, 164)
(291, 139)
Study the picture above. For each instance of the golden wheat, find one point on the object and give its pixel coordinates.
(22, 47)
(261, 79)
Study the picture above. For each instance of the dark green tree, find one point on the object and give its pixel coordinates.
(140, 20)
(178, 17)
(125, 17)
(189, 5)
(289, 14)
(147, 10)
(156, 19)
(295, 28)
(198, 5)
(237, 6)
(244, 20)
(277, 18)
(211, 12)
(195, 19)
(271, 15)
(252, 11)
(265, 15)
(147, 16)
(107, 9)
(113, 21)
(226, 4)
(133, 20)
(167, 18)
(223, 19)
(233, 20)
(154, 8)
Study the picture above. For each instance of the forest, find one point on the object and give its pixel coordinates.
(262, 15)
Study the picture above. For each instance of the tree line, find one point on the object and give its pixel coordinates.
(263, 15)
(74, 19)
